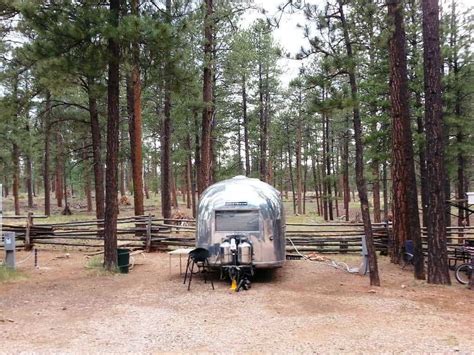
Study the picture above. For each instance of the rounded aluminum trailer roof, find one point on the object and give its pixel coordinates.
(252, 193)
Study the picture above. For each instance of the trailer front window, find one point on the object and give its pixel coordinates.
(237, 221)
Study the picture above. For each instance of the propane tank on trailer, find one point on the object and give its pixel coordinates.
(225, 253)
(245, 252)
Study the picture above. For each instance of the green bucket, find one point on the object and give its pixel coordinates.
(123, 260)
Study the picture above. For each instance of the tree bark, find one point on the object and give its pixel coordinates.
(166, 174)
(328, 169)
(406, 221)
(59, 167)
(87, 179)
(16, 178)
(135, 120)
(47, 187)
(113, 123)
(438, 272)
(298, 142)
(345, 172)
(246, 126)
(204, 177)
(96, 150)
(263, 113)
(29, 179)
(360, 180)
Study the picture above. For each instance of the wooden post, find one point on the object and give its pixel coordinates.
(343, 246)
(29, 222)
(148, 235)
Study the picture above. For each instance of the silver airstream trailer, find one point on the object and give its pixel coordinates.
(241, 222)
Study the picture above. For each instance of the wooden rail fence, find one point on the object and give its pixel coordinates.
(152, 233)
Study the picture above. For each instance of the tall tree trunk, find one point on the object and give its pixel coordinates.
(189, 177)
(376, 190)
(122, 179)
(16, 178)
(460, 134)
(96, 150)
(438, 272)
(263, 113)
(113, 128)
(87, 179)
(298, 142)
(29, 171)
(345, 170)
(188, 170)
(316, 189)
(328, 170)
(46, 127)
(135, 120)
(406, 221)
(360, 180)
(418, 108)
(29, 179)
(290, 167)
(246, 126)
(197, 155)
(305, 176)
(204, 176)
(59, 167)
(166, 173)
(5, 191)
(174, 195)
(422, 157)
(64, 175)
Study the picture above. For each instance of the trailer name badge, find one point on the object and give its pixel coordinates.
(241, 203)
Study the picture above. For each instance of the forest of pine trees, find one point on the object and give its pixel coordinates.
(137, 98)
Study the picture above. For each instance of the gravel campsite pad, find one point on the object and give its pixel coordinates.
(303, 307)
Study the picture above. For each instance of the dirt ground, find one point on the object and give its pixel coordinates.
(303, 307)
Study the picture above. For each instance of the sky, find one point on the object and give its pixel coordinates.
(291, 38)
(288, 35)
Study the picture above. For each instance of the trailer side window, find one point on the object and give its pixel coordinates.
(237, 221)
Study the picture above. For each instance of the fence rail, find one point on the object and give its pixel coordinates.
(152, 233)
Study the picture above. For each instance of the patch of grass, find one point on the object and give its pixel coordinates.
(96, 266)
(95, 262)
(8, 274)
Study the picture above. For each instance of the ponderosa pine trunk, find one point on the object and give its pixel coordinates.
(190, 176)
(316, 189)
(29, 179)
(59, 191)
(113, 124)
(16, 178)
(135, 123)
(263, 124)
(96, 150)
(298, 143)
(327, 163)
(188, 172)
(246, 126)
(166, 174)
(438, 271)
(359, 164)
(87, 178)
(345, 170)
(460, 130)
(204, 176)
(422, 163)
(46, 181)
(406, 220)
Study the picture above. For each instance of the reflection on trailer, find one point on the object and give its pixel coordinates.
(241, 221)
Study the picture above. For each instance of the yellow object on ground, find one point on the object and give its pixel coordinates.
(233, 286)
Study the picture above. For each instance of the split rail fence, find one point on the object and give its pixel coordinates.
(152, 233)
